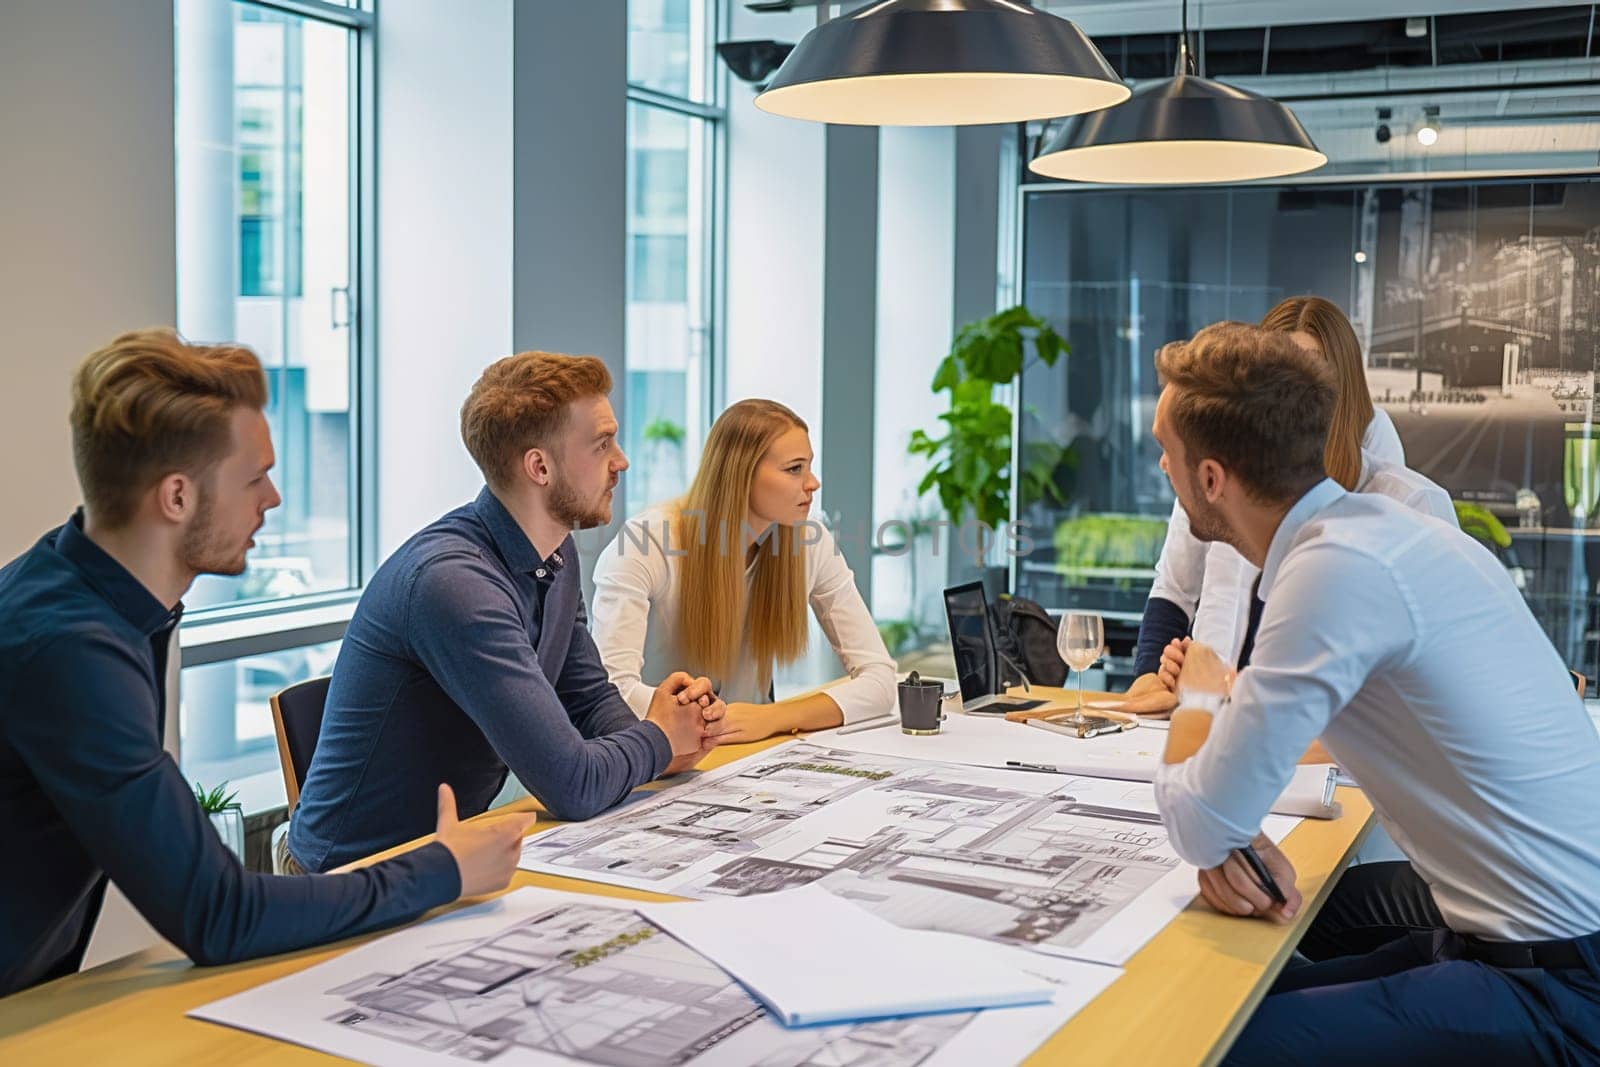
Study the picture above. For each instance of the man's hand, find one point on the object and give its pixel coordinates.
(690, 760)
(1201, 669)
(1172, 662)
(685, 708)
(486, 852)
(1233, 890)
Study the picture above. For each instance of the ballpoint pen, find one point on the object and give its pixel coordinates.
(1264, 876)
(1041, 767)
(870, 724)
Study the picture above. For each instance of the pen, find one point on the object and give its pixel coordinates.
(1263, 875)
(870, 724)
(1045, 768)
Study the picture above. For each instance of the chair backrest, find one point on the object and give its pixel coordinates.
(297, 716)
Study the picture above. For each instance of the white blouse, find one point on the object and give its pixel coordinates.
(636, 601)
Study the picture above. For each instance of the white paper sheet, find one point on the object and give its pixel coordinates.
(1069, 865)
(1132, 755)
(788, 950)
(540, 977)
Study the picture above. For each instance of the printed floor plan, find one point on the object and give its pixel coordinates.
(1076, 866)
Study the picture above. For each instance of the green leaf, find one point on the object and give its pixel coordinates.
(970, 465)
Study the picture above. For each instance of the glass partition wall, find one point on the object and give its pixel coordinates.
(1476, 305)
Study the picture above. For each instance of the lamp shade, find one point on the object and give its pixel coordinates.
(942, 63)
(1182, 131)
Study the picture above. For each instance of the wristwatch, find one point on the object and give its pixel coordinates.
(1200, 700)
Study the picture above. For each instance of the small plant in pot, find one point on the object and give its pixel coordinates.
(226, 814)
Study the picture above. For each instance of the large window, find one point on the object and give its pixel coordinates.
(674, 133)
(270, 188)
(266, 141)
(1478, 308)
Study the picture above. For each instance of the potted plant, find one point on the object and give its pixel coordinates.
(970, 464)
(226, 815)
(663, 441)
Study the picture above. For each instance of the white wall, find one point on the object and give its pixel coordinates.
(444, 245)
(87, 248)
(773, 335)
(86, 222)
(916, 265)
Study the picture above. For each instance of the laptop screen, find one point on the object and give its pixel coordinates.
(967, 609)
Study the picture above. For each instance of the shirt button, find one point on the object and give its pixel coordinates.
(539, 573)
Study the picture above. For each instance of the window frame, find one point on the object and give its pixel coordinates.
(230, 631)
(713, 114)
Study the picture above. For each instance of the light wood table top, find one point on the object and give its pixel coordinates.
(1183, 998)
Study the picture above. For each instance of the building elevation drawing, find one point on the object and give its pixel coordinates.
(541, 977)
(1075, 866)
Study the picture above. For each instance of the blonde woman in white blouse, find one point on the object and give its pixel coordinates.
(1204, 588)
(722, 578)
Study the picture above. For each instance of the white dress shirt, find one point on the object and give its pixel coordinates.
(1402, 643)
(1223, 615)
(636, 604)
(1181, 568)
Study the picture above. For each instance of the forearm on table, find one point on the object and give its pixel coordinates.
(815, 711)
(1186, 733)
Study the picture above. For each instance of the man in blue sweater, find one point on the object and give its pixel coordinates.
(172, 453)
(469, 654)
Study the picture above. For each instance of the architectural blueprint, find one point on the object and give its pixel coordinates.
(1073, 866)
(543, 977)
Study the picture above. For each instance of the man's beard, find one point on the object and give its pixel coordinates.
(204, 549)
(574, 512)
(1206, 521)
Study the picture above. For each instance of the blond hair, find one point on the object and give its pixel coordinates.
(151, 404)
(1337, 339)
(520, 402)
(1255, 402)
(715, 608)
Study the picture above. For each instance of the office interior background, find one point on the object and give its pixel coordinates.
(383, 196)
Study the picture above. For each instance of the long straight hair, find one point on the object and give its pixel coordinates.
(715, 608)
(1337, 340)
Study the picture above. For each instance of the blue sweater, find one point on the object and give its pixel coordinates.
(87, 792)
(468, 654)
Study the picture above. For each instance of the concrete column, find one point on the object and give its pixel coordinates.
(849, 340)
(570, 131)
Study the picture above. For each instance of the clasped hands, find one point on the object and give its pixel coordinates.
(690, 713)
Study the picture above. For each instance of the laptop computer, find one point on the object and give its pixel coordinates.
(966, 607)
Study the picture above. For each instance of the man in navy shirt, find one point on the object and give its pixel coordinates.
(172, 453)
(469, 653)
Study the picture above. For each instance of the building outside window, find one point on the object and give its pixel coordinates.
(675, 128)
(268, 124)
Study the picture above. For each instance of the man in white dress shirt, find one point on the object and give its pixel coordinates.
(1403, 644)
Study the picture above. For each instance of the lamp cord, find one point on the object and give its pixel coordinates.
(1185, 59)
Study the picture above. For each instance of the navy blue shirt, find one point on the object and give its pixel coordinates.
(87, 791)
(468, 654)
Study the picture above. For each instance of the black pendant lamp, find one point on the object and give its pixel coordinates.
(942, 63)
(1186, 130)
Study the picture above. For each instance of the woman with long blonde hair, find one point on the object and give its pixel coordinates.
(1204, 589)
(722, 578)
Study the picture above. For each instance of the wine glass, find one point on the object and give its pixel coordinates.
(1081, 640)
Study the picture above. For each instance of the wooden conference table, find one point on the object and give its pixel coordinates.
(1182, 999)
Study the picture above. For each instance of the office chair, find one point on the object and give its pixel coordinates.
(297, 717)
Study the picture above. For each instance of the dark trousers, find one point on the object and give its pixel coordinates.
(1414, 999)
